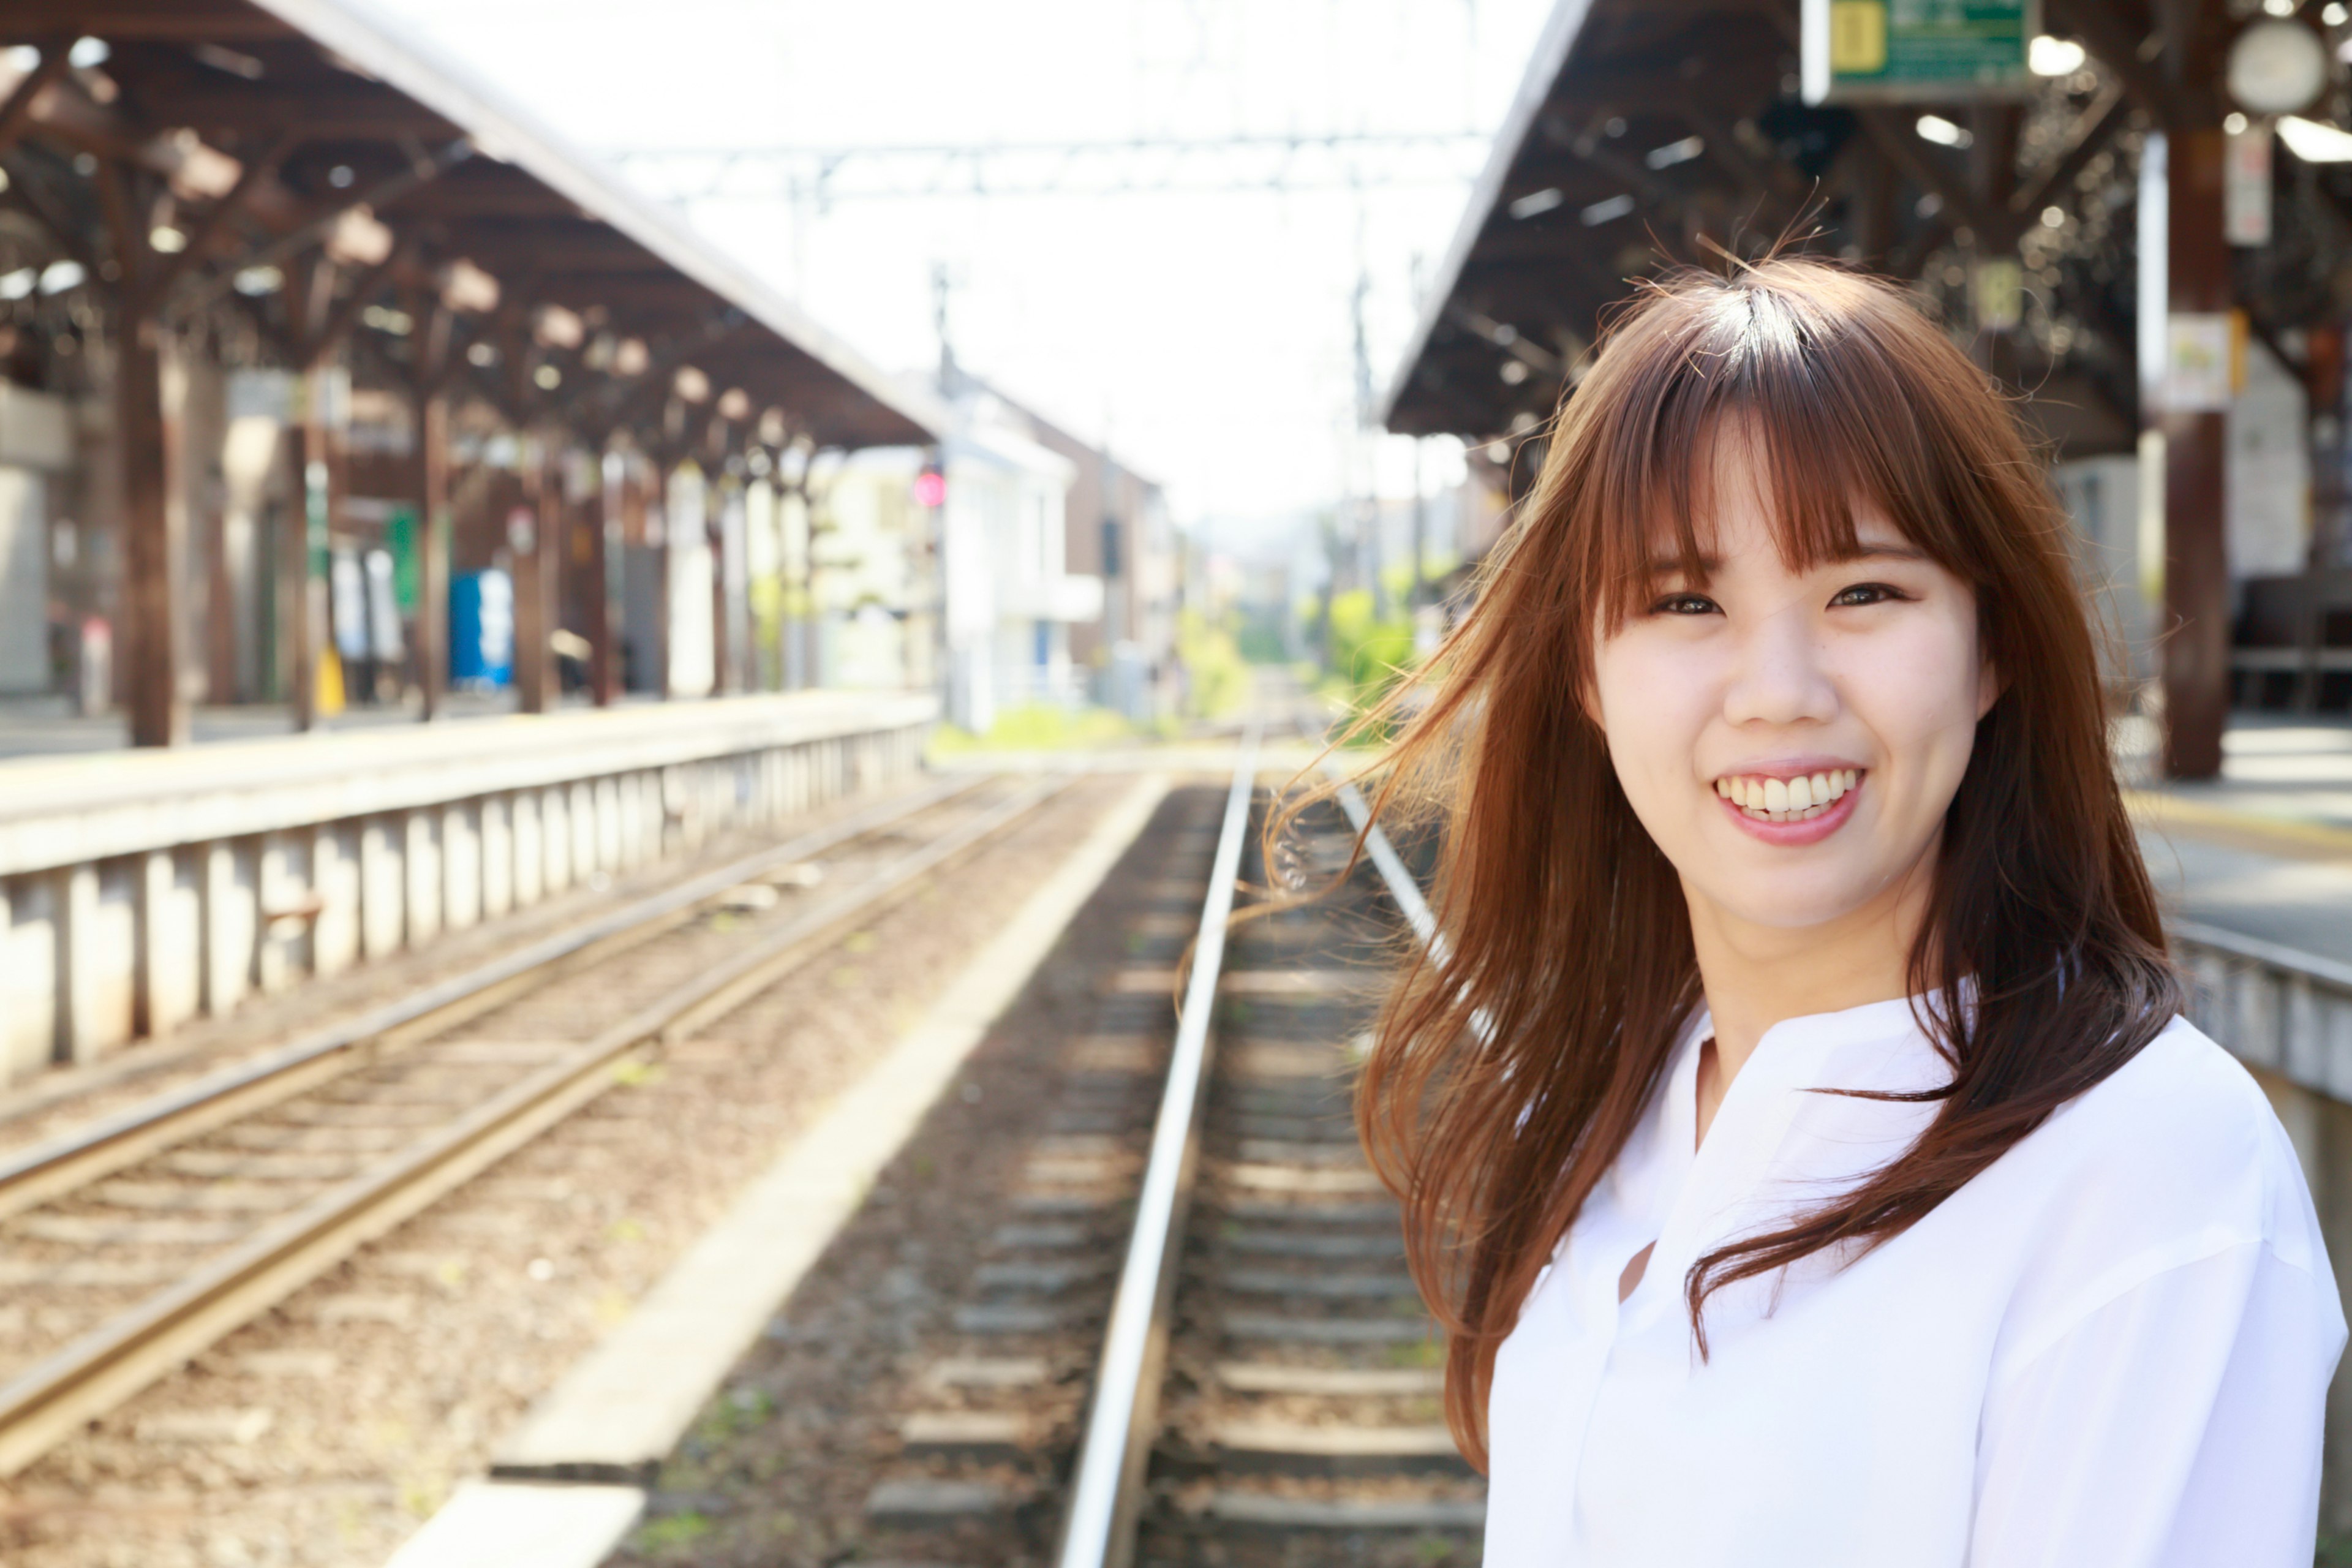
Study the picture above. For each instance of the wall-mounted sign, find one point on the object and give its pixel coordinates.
(2202, 355)
(1899, 49)
(1997, 291)
(2246, 184)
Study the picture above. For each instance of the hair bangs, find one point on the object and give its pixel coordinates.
(1765, 389)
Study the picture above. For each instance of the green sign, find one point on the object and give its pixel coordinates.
(408, 570)
(314, 515)
(1930, 49)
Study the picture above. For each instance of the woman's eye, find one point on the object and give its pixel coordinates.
(1683, 604)
(1868, 593)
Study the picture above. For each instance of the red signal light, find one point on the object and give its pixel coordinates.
(930, 487)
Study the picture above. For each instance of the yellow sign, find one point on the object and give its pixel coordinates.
(1857, 35)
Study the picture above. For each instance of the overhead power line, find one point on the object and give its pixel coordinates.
(821, 176)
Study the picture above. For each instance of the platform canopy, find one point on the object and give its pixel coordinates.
(252, 139)
(1651, 132)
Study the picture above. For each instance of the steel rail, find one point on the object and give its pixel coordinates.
(1106, 1488)
(1403, 891)
(84, 1379)
(38, 1174)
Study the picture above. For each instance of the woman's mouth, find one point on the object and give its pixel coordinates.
(1806, 797)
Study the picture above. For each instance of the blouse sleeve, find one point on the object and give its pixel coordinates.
(2175, 1425)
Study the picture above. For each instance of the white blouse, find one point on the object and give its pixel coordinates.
(2111, 1348)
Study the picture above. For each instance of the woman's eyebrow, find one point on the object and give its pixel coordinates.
(1866, 551)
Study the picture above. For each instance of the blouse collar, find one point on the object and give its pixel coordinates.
(1684, 1195)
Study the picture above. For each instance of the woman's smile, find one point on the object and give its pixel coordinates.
(1791, 805)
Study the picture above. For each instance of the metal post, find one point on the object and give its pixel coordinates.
(1418, 594)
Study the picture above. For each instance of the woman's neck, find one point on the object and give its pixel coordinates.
(1757, 975)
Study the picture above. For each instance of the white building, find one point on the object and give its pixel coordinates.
(1011, 599)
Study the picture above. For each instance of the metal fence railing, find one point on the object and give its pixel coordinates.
(2273, 1006)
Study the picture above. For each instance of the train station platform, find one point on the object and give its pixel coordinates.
(140, 889)
(2266, 849)
(46, 726)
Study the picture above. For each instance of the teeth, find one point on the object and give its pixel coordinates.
(1788, 800)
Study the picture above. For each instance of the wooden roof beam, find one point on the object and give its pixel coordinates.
(318, 223)
(2118, 42)
(1997, 227)
(2092, 131)
(355, 108)
(177, 21)
(30, 196)
(17, 112)
(227, 209)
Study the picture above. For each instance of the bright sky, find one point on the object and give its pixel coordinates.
(1209, 338)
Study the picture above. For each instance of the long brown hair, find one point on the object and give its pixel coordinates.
(1507, 1074)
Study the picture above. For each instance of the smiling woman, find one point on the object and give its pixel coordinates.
(1798, 1138)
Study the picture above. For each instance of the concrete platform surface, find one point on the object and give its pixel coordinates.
(519, 1524)
(2280, 768)
(61, 809)
(2265, 850)
(2304, 903)
(46, 726)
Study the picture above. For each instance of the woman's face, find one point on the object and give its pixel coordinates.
(1792, 740)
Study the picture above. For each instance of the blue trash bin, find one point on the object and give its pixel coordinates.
(482, 630)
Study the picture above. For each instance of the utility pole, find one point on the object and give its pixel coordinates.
(1420, 593)
(940, 289)
(1366, 505)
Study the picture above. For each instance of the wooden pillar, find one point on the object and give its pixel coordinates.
(153, 608)
(1871, 202)
(433, 525)
(2323, 389)
(535, 569)
(605, 584)
(2196, 569)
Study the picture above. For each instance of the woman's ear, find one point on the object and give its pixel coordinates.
(1989, 684)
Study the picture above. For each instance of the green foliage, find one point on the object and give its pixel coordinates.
(671, 1531)
(1258, 634)
(1212, 659)
(1367, 654)
(1037, 727)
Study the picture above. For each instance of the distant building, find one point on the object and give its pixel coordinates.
(1011, 599)
(1117, 531)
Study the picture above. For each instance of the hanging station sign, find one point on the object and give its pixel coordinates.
(1895, 50)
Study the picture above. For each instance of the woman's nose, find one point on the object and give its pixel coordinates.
(1778, 677)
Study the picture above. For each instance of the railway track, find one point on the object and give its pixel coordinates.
(127, 1246)
(1192, 1339)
